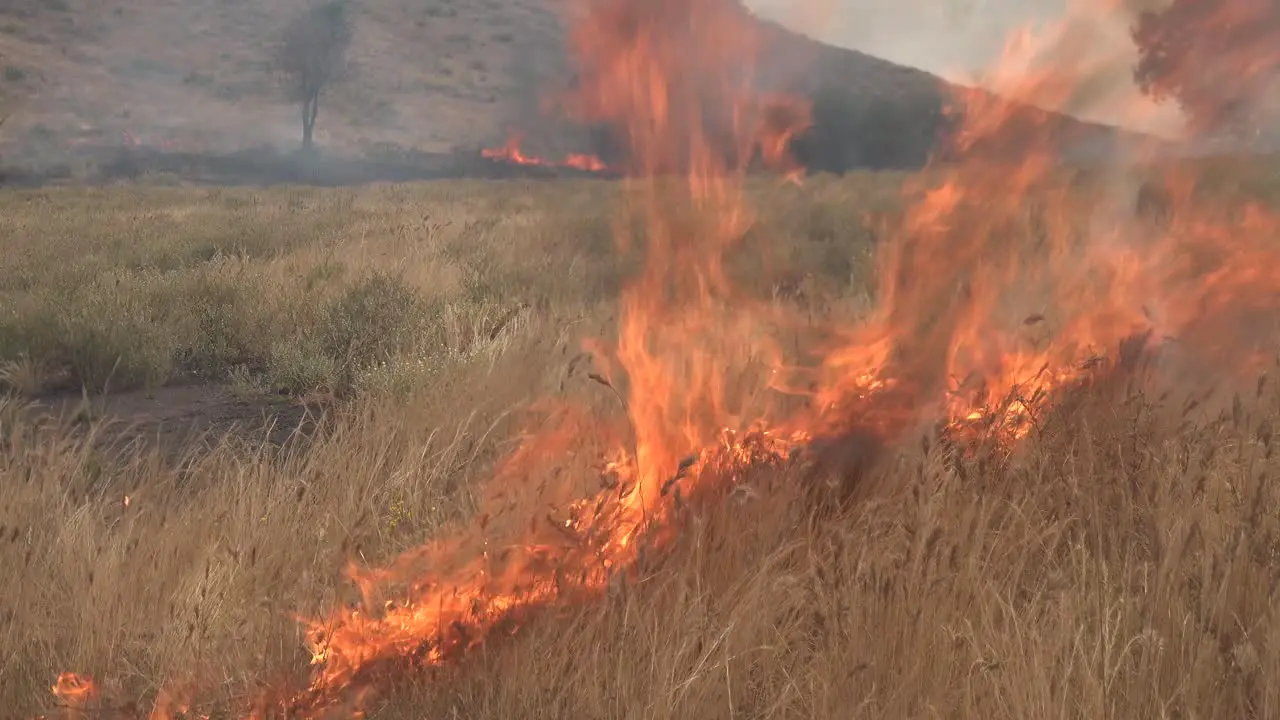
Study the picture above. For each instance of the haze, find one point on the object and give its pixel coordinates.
(961, 39)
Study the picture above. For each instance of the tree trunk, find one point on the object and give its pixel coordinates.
(310, 108)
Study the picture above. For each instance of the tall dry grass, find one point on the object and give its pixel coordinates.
(1122, 563)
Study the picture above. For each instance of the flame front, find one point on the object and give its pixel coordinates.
(1003, 284)
(511, 152)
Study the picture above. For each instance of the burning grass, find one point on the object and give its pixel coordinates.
(1124, 561)
(1120, 561)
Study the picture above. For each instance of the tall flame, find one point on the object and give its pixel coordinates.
(674, 78)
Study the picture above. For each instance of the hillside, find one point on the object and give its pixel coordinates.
(195, 75)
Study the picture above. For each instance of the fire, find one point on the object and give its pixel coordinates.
(1002, 287)
(511, 153)
(565, 559)
(682, 100)
(75, 692)
(79, 697)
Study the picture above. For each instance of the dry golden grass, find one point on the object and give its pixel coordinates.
(1123, 563)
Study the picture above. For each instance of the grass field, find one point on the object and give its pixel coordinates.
(1122, 563)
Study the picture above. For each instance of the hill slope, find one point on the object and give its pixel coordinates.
(198, 72)
(435, 76)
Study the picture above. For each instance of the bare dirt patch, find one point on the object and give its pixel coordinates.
(178, 420)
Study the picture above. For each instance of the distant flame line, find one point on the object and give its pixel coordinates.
(512, 153)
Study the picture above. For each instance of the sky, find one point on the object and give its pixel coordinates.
(960, 39)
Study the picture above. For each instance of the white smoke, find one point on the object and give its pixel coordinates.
(960, 40)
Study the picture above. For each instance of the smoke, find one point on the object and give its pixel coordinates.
(961, 39)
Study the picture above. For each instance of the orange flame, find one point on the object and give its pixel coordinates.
(683, 101)
(75, 692)
(511, 153)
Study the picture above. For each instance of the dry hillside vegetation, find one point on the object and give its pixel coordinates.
(1122, 562)
(198, 73)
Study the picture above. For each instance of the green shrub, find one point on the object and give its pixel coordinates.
(375, 322)
(231, 326)
(118, 349)
(298, 365)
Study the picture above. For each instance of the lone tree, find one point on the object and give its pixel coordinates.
(1219, 59)
(313, 55)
